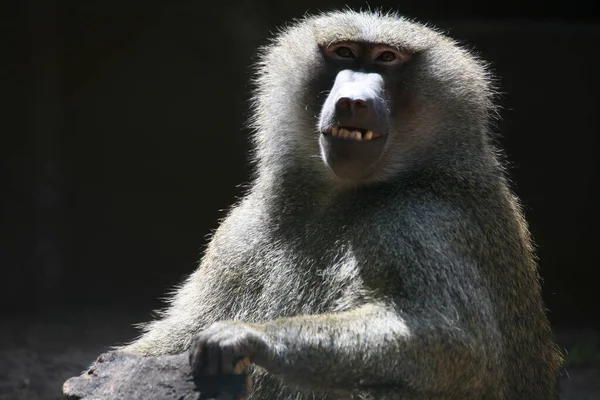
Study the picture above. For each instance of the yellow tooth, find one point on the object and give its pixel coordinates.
(356, 135)
(368, 135)
(344, 133)
(334, 131)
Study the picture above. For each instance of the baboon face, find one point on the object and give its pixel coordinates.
(363, 97)
(356, 117)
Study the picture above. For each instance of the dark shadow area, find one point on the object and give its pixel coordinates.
(124, 143)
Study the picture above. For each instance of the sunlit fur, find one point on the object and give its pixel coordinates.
(451, 94)
(419, 284)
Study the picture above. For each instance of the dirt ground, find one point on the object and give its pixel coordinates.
(37, 354)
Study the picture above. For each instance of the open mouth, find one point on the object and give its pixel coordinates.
(352, 133)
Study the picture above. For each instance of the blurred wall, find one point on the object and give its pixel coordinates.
(124, 140)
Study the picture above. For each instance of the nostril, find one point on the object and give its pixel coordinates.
(344, 102)
(355, 105)
(359, 104)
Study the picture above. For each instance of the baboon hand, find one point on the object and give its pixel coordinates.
(217, 349)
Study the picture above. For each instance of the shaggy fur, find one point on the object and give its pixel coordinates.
(418, 284)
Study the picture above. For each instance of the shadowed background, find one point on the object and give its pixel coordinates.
(124, 142)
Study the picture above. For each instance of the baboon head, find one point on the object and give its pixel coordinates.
(361, 96)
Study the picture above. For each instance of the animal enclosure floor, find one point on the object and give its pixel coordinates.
(38, 353)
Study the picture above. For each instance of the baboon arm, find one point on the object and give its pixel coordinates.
(190, 310)
(377, 347)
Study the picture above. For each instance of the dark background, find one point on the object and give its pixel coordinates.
(123, 139)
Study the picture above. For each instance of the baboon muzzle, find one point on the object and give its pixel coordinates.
(356, 100)
(354, 124)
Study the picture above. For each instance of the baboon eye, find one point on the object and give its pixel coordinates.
(386, 56)
(344, 52)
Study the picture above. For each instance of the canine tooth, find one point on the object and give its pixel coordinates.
(334, 131)
(344, 133)
(356, 135)
(368, 135)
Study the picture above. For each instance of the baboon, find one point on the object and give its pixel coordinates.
(379, 252)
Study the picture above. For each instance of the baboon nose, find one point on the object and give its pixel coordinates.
(359, 108)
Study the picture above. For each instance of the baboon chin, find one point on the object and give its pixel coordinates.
(415, 278)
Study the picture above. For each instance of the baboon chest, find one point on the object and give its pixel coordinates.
(326, 279)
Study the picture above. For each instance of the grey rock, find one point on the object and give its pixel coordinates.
(118, 375)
